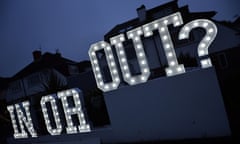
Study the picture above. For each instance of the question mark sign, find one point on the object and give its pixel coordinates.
(211, 32)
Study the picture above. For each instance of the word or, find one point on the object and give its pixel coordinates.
(147, 30)
(25, 121)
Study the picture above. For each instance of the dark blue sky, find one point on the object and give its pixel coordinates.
(73, 25)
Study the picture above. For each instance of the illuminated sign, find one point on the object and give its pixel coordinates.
(20, 115)
(147, 30)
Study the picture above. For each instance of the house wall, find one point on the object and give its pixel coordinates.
(85, 81)
(226, 38)
(186, 106)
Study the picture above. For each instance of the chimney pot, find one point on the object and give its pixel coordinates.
(58, 53)
(37, 54)
(141, 11)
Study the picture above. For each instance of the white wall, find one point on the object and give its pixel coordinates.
(184, 106)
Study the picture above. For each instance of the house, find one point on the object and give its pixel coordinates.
(223, 51)
(50, 73)
(186, 49)
(191, 107)
(47, 73)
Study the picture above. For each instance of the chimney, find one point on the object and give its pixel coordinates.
(141, 11)
(37, 54)
(58, 53)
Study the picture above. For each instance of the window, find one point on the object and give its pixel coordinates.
(15, 87)
(73, 69)
(222, 60)
(33, 80)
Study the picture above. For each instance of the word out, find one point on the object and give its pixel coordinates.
(147, 30)
(24, 119)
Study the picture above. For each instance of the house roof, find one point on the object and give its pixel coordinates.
(47, 60)
(235, 25)
(83, 65)
(3, 82)
(133, 23)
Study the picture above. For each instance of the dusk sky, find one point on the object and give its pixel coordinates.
(73, 25)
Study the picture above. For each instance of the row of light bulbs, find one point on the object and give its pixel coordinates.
(147, 30)
(25, 120)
